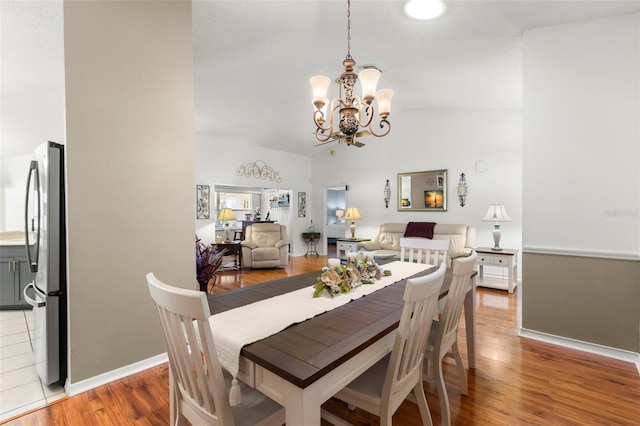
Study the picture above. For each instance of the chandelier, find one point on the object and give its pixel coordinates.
(355, 113)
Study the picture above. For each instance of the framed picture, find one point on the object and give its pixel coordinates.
(422, 191)
(302, 204)
(202, 202)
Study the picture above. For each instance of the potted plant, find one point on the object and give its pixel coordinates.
(208, 262)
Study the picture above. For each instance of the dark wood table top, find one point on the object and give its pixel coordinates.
(304, 352)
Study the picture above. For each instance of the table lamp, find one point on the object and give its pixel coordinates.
(226, 215)
(339, 215)
(496, 214)
(353, 214)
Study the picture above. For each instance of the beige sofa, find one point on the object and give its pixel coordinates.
(265, 246)
(462, 239)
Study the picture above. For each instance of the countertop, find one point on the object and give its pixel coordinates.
(14, 238)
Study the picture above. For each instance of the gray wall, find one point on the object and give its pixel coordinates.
(581, 150)
(583, 298)
(130, 150)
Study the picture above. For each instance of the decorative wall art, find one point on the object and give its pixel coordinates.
(387, 194)
(423, 191)
(202, 202)
(259, 170)
(462, 190)
(302, 204)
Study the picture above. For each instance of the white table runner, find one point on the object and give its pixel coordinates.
(246, 324)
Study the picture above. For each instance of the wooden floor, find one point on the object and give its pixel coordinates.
(516, 382)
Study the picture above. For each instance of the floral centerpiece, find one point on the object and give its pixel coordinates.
(208, 262)
(339, 278)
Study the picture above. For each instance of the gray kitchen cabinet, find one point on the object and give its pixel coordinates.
(14, 277)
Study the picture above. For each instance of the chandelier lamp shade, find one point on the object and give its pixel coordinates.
(354, 112)
(353, 214)
(496, 214)
(226, 215)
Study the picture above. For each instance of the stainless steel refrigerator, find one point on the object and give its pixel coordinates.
(46, 251)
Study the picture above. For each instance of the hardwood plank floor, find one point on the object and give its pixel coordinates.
(516, 382)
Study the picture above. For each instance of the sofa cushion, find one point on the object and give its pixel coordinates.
(389, 235)
(266, 253)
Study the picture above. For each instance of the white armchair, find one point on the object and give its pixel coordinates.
(265, 245)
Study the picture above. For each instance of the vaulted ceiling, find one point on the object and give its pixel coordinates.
(253, 60)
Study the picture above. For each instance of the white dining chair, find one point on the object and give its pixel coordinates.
(428, 251)
(444, 334)
(382, 388)
(424, 250)
(197, 387)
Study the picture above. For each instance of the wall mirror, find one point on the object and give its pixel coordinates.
(422, 191)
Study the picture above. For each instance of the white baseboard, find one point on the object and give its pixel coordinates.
(593, 348)
(110, 376)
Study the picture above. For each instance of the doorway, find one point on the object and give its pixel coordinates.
(250, 204)
(335, 206)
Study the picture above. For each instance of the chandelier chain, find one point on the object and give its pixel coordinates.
(348, 28)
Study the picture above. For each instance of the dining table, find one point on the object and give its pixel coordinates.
(305, 364)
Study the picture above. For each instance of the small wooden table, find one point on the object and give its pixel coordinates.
(311, 238)
(505, 258)
(234, 249)
(347, 245)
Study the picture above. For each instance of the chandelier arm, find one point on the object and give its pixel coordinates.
(320, 135)
(321, 130)
(364, 111)
(382, 126)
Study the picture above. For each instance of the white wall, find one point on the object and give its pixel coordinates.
(13, 181)
(582, 127)
(581, 141)
(218, 162)
(431, 140)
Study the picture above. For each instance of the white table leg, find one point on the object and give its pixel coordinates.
(302, 408)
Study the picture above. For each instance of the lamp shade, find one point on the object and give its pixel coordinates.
(226, 214)
(319, 85)
(353, 214)
(496, 213)
(384, 102)
(369, 80)
(339, 213)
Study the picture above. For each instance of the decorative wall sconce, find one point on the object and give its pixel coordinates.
(387, 194)
(462, 190)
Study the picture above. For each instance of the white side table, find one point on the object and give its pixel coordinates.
(347, 245)
(505, 258)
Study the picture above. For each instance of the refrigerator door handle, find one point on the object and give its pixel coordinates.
(33, 261)
(29, 300)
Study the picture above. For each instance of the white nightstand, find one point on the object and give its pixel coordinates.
(347, 245)
(505, 258)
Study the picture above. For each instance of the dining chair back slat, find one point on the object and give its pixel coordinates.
(197, 385)
(424, 250)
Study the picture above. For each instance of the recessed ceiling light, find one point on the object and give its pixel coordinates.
(424, 9)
